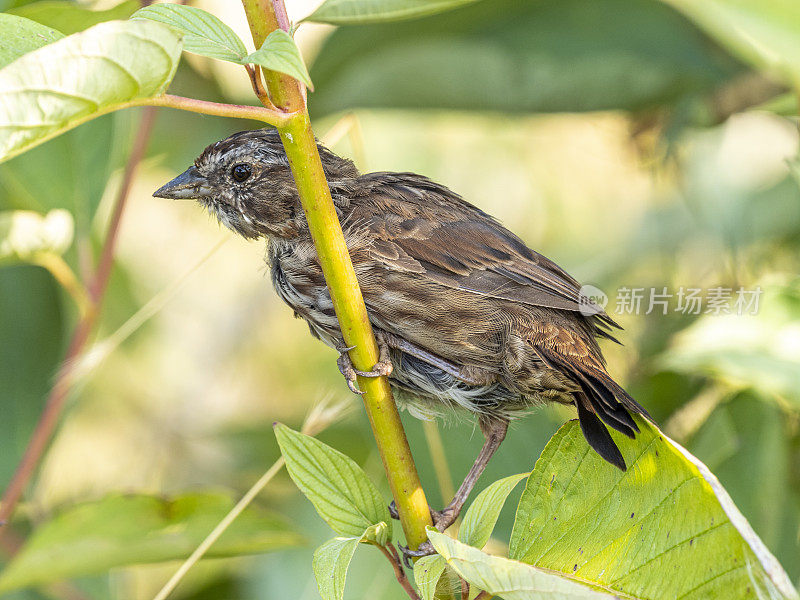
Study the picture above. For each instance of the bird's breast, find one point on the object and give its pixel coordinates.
(298, 281)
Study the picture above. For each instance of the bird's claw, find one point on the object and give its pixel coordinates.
(393, 511)
(443, 519)
(382, 368)
(424, 549)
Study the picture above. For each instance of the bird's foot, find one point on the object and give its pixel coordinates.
(443, 519)
(393, 511)
(381, 368)
(424, 549)
(347, 370)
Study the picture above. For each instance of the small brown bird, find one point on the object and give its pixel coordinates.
(466, 315)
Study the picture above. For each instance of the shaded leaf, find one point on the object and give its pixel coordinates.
(360, 12)
(510, 579)
(19, 36)
(203, 33)
(337, 487)
(747, 350)
(280, 53)
(55, 88)
(24, 233)
(124, 530)
(764, 33)
(624, 530)
(70, 17)
(480, 519)
(505, 55)
(331, 561)
(33, 323)
(427, 572)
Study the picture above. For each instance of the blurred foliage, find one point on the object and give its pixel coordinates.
(677, 183)
(545, 56)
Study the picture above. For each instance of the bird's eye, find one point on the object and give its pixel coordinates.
(241, 172)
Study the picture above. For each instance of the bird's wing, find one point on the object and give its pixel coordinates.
(459, 246)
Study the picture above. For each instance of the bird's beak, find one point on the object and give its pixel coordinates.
(189, 184)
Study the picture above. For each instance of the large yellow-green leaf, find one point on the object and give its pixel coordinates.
(57, 87)
(360, 12)
(765, 33)
(509, 579)
(133, 529)
(19, 36)
(665, 528)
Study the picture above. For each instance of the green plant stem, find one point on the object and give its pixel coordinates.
(301, 148)
(241, 111)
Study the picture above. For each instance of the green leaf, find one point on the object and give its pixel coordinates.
(33, 323)
(360, 12)
(624, 531)
(19, 36)
(765, 33)
(69, 17)
(510, 579)
(55, 88)
(480, 519)
(280, 53)
(746, 350)
(427, 572)
(134, 529)
(24, 234)
(507, 55)
(336, 486)
(203, 33)
(331, 561)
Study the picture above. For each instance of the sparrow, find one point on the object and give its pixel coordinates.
(465, 314)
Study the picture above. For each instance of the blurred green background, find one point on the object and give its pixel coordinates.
(611, 135)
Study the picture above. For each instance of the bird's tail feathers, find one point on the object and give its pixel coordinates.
(600, 401)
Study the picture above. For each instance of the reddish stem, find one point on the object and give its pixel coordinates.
(392, 556)
(97, 287)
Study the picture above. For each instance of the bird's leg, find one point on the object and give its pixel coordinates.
(381, 368)
(495, 432)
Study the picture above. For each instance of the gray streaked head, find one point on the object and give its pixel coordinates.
(245, 181)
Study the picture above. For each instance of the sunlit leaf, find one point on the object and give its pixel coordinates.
(480, 519)
(509, 579)
(19, 36)
(24, 234)
(337, 487)
(427, 572)
(124, 530)
(55, 88)
(331, 561)
(280, 53)
(203, 33)
(360, 12)
(764, 33)
(71, 17)
(624, 531)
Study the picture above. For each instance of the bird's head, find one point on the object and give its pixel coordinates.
(245, 181)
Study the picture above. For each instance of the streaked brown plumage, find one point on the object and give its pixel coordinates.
(468, 314)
